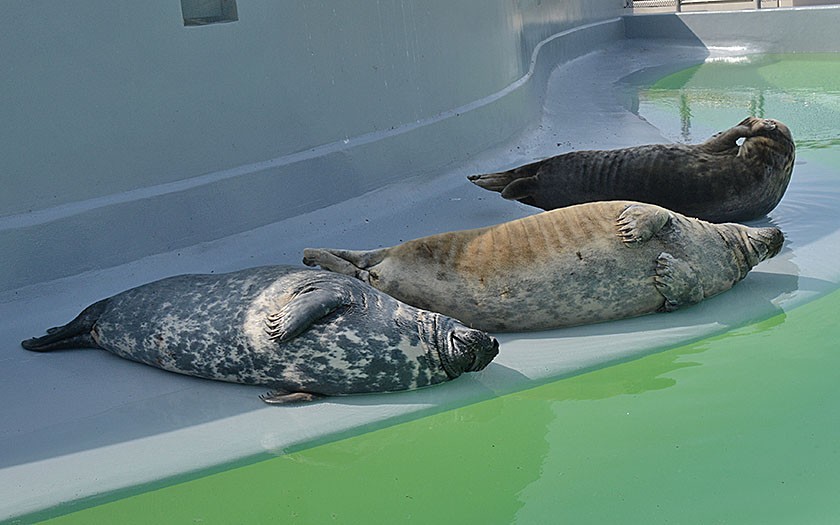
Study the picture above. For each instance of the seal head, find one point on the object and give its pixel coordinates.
(459, 348)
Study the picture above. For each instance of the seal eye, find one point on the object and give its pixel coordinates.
(374, 276)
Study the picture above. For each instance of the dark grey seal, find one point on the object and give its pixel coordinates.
(720, 180)
(581, 264)
(302, 332)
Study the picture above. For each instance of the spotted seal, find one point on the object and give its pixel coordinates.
(304, 333)
(720, 180)
(581, 264)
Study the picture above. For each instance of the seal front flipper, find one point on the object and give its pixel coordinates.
(354, 263)
(301, 312)
(727, 141)
(677, 281)
(281, 397)
(639, 222)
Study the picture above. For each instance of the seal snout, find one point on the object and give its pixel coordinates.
(472, 349)
(767, 241)
(770, 128)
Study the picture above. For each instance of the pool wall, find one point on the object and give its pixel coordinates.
(127, 133)
(800, 30)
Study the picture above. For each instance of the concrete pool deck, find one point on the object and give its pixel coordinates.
(79, 423)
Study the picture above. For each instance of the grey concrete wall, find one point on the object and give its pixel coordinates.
(126, 134)
(805, 29)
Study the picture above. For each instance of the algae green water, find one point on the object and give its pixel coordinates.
(743, 427)
(802, 90)
(739, 428)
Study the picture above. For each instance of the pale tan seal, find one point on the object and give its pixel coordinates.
(582, 264)
(737, 175)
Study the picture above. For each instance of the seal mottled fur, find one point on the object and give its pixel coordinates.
(582, 264)
(719, 180)
(299, 331)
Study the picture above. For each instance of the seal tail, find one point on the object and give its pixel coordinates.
(354, 263)
(75, 334)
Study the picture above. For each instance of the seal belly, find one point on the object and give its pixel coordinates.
(350, 351)
(181, 325)
(339, 360)
(564, 268)
(558, 268)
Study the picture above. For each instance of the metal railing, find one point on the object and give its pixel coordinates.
(677, 4)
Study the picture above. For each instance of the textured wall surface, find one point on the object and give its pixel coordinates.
(102, 97)
(126, 133)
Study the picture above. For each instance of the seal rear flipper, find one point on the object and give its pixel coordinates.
(301, 312)
(501, 180)
(521, 190)
(75, 334)
(354, 263)
(677, 281)
(492, 181)
(281, 397)
(639, 222)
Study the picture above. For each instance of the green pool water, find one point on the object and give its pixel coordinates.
(742, 427)
(739, 428)
(802, 90)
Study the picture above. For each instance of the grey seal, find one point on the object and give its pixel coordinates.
(737, 175)
(305, 333)
(581, 264)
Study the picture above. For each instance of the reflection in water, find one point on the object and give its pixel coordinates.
(685, 117)
(801, 90)
(427, 467)
(756, 109)
(752, 101)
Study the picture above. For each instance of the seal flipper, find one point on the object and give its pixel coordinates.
(521, 189)
(75, 334)
(493, 181)
(639, 222)
(354, 263)
(503, 180)
(677, 281)
(727, 141)
(301, 312)
(281, 397)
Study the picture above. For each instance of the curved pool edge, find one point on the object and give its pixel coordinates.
(188, 495)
